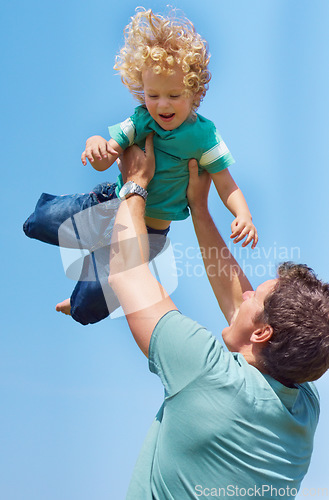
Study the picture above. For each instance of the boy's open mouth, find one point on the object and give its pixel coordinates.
(167, 117)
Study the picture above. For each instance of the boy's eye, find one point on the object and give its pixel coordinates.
(175, 96)
(152, 96)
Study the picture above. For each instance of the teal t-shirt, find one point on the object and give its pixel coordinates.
(196, 138)
(224, 429)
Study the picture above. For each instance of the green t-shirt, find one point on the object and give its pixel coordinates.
(195, 138)
(224, 428)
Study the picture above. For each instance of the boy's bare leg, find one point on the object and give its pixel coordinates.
(64, 307)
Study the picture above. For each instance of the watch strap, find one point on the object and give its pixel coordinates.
(130, 188)
(141, 191)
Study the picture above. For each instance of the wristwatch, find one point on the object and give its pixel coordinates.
(130, 188)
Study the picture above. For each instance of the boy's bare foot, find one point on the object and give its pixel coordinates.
(64, 307)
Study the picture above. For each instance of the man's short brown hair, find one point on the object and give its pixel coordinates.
(298, 311)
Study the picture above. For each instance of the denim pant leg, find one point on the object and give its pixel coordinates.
(52, 211)
(93, 301)
(157, 240)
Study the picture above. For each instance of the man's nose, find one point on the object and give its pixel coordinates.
(247, 295)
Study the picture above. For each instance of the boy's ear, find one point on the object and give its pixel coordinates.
(262, 334)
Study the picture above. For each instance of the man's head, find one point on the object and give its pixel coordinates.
(286, 325)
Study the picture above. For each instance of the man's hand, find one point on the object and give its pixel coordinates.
(137, 166)
(198, 187)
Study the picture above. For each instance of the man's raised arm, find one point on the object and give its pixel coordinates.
(224, 273)
(141, 296)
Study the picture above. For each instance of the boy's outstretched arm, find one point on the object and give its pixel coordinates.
(141, 296)
(232, 197)
(100, 152)
(224, 273)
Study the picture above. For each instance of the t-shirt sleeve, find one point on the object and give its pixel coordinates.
(216, 156)
(123, 133)
(181, 350)
(132, 130)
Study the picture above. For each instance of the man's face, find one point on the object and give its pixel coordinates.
(238, 333)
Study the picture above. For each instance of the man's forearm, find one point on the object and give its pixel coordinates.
(142, 298)
(224, 273)
(129, 245)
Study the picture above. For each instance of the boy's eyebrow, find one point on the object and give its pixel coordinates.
(170, 91)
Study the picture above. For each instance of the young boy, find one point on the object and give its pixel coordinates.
(164, 64)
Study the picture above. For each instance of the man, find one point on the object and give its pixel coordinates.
(237, 423)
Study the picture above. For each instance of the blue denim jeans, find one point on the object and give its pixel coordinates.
(55, 220)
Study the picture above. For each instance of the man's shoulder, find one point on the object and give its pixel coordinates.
(310, 391)
(175, 320)
(177, 335)
(176, 332)
(182, 351)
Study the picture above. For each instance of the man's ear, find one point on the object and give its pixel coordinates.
(262, 334)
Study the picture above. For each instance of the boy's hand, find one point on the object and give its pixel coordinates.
(97, 148)
(242, 227)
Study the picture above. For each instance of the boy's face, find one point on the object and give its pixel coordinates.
(165, 98)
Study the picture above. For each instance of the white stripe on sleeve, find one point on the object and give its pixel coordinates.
(128, 128)
(214, 154)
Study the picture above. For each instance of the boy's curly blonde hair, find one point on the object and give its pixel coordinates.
(163, 43)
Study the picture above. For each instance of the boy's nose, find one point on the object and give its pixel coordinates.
(163, 104)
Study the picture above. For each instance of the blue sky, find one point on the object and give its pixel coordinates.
(77, 401)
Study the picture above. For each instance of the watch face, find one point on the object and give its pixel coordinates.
(130, 188)
(126, 188)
